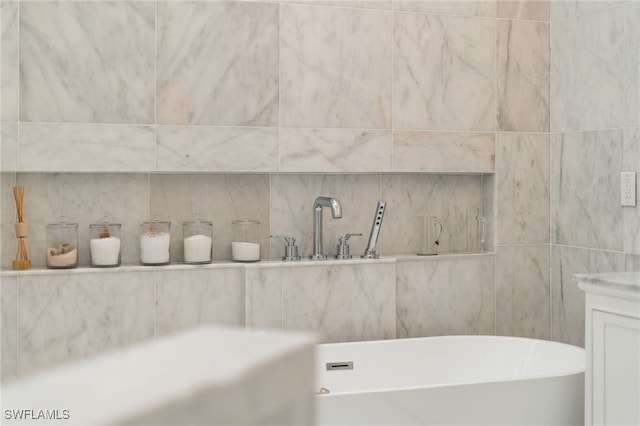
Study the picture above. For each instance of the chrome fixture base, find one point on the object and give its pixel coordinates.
(318, 256)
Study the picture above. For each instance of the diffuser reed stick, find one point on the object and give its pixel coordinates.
(22, 261)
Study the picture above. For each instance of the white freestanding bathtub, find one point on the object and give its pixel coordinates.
(462, 380)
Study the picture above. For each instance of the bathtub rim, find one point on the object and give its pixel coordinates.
(496, 380)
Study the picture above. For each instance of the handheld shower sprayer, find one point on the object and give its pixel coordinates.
(370, 252)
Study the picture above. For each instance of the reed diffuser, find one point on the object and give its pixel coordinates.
(22, 261)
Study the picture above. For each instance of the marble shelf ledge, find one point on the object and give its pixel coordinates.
(615, 283)
(84, 269)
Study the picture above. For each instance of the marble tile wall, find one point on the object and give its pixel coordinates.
(594, 136)
(50, 319)
(439, 107)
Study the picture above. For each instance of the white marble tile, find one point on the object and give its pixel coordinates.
(458, 7)
(195, 297)
(522, 76)
(488, 212)
(86, 148)
(453, 199)
(239, 86)
(341, 303)
(522, 175)
(263, 297)
(10, 83)
(7, 220)
(85, 199)
(443, 152)
(9, 148)
(87, 62)
(335, 67)
(217, 149)
(585, 199)
(9, 323)
(587, 81)
(360, 4)
(220, 198)
(632, 63)
(445, 297)
(66, 317)
(632, 263)
(567, 300)
(569, 8)
(444, 73)
(523, 291)
(534, 10)
(335, 150)
(631, 215)
(291, 203)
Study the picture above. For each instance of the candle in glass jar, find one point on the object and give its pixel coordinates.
(197, 249)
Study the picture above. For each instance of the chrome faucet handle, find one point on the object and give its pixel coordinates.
(343, 246)
(345, 237)
(291, 249)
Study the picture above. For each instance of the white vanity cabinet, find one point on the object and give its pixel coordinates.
(612, 340)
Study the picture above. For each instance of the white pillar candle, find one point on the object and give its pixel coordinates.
(245, 252)
(197, 249)
(105, 251)
(154, 248)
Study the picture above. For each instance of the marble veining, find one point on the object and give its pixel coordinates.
(9, 83)
(534, 10)
(453, 198)
(584, 210)
(631, 215)
(523, 291)
(9, 330)
(67, 317)
(9, 147)
(86, 148)
(443, 298)
(335, 67)
(196, 297)
(444, 73)
(239, 87)
(522, 173)
(340, 303)
(632, 63)
(335, 150)
(587, 82)
(87, 62)
(444, 152)
(223, 149)
(466, 7)
(567, 301)
(523, 76)
(263, 297)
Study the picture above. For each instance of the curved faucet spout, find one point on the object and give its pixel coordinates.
(336, 213)
(332, 203)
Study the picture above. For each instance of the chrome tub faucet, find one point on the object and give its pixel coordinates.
(336, 213)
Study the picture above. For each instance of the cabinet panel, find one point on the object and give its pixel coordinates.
(616, 371)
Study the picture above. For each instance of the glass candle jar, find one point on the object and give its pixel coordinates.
(104, 245)
(154, 243)
(197, 241)
(62, 245)
(246, 241)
